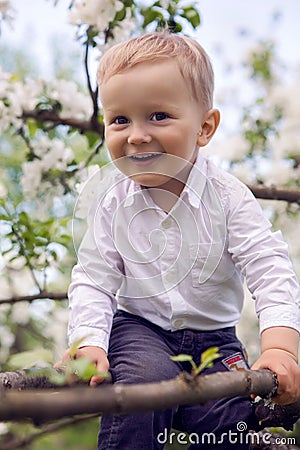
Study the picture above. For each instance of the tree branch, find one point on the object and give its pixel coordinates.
(55, 403)
(273, 193)
(93, 94)
(40, 296)
(41, 406)
(14, 443)
(51, 116)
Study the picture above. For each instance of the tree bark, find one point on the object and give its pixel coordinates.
(23, 396)
(274, 193)
(42, 405)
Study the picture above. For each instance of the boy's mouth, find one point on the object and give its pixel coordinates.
(144, 157)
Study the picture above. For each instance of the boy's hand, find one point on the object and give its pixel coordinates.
(287, 370)
(96, 354)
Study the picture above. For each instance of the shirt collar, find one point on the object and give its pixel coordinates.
(133, 190)
(196, 182)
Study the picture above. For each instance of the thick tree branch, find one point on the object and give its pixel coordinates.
(40, 296)
(51, 404)
(42, 406)
(273, 193)
(51, 116)
(24, 380)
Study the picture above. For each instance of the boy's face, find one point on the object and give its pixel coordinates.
(153, 126)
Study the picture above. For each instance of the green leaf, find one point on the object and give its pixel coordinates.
(192, 16)
(83, 368)
(120, 15)
(184, 358)
(32, 127)
(28, 359)
(92, 138)
(59, 379)
(207, 359)
(75, 345)
(181, 358)
(151, 15)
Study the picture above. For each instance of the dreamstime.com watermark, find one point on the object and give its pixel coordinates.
(240, 436)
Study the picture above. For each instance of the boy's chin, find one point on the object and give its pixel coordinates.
(149, 180)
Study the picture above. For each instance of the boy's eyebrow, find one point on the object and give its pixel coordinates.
(155, 106)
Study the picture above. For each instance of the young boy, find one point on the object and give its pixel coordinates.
(169, 242)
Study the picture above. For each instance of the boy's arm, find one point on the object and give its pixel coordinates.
(279, 353)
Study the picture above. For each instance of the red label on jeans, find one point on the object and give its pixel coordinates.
(235, 362)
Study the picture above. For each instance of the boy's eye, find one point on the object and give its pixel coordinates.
(120, 120)
(159, 116)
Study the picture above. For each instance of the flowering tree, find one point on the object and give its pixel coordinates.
(52, 142)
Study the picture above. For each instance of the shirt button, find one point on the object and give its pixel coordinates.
(170, 277)
(178, 323)
(166, 224)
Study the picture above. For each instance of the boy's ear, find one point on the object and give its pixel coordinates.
(209, 126)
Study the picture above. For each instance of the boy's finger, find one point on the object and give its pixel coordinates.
(96, 379)
(65, 358)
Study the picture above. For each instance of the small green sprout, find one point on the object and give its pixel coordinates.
(207, 359)
(75, 370)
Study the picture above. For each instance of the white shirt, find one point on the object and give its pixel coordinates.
(183, 269)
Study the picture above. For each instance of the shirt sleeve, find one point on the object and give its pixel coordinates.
(262, 257)
(95, 280)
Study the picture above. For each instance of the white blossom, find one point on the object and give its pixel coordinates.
(51, 154)
(164, 3)
(94, 12)
(121, 31)
(17, 96)
(9, 105)
(86, 188)
(3, 428)
(4, 308)
(231, 148)
(20, 313)
(13, 261)
(7, 339)
(279, 172)
(3, 191)
(56, 327)
(244, 171)
(286, 96)
(74, 103)
(31, 178)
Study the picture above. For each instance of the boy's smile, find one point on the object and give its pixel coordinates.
(153, 125)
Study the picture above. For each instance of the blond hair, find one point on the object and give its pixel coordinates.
(193, 62)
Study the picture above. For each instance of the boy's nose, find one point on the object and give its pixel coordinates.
(139, 135)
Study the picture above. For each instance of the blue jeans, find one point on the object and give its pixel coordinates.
(140, 352)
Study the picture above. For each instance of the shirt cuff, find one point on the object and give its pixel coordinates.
(280, 316)
(89, 337)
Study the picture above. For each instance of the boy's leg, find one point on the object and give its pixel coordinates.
(221, 424)
(138, 353)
